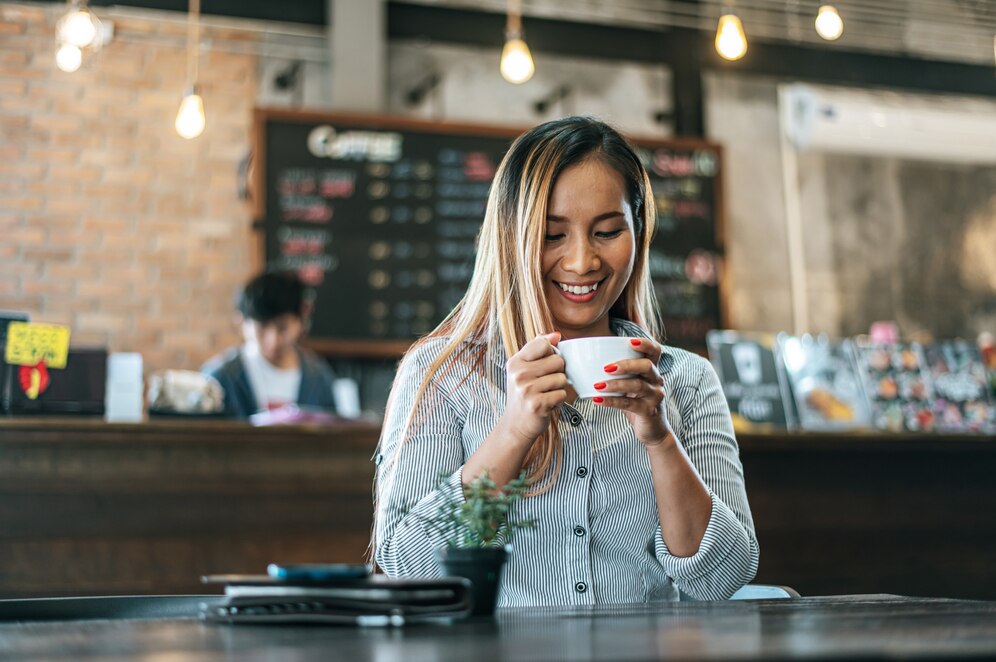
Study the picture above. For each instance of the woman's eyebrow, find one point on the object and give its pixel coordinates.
(601, 217)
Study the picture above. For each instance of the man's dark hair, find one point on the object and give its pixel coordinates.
(270, 295)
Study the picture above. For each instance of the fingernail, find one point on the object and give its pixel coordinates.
(634, 342)
(598, 399)
(612, 367)
(599, 386)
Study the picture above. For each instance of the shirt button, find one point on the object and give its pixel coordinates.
(581, 472)
(580, 587)
(575, 419)
(579, 531)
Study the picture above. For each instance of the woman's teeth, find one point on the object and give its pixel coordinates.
(578, 289)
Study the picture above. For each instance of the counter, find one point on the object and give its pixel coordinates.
(88, 507)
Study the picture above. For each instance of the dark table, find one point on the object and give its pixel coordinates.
(858, 626)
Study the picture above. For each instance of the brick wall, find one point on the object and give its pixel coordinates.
(109, 221)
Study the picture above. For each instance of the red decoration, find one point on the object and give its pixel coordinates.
(25, 376)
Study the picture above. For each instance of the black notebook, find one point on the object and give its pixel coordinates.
(372, 601)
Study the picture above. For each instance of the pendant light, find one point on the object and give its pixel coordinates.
(190, 118)
(731, 42)
(78, 30)
(829, 24)
(516, 61)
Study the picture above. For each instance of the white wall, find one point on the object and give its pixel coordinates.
(911, 240)
(472, 89)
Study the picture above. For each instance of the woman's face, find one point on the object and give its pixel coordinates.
(589, 249)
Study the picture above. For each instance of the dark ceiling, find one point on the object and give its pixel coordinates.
(295, 11)
(683, 50)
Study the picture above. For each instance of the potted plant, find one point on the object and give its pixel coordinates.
(478, 531)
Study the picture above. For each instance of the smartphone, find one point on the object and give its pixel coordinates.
(317, 572)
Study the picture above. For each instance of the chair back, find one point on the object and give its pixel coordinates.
(754, 592)
(764, 592)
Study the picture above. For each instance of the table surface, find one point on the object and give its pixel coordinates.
(856, 626)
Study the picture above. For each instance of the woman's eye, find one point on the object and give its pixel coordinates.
(553, 237)
(608, 235)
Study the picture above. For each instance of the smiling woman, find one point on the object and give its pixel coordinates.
(637, 491)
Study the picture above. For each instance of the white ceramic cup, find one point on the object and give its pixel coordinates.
(586, 359)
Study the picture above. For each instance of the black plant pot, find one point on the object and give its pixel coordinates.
(483, 566)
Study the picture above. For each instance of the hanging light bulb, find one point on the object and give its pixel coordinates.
(731, 42)
(829, 24)
(190, 118)
(78, 31)
(516, 60)
(78, 26)
(68, 58)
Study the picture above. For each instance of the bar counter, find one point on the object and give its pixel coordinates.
(94, 508)
(88, 507)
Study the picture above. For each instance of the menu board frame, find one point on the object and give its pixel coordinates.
(390, 348)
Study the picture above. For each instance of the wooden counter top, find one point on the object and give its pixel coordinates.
(182, 429)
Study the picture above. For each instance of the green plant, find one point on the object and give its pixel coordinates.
(478, 519)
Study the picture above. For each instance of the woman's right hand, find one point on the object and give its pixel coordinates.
(535, 385)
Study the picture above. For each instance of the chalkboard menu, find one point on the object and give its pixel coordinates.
(380, 216)
(686, 253)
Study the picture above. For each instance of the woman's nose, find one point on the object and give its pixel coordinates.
(581, 257)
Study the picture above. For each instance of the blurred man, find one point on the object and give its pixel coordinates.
(270, 370)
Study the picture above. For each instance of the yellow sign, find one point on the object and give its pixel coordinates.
(27, 344)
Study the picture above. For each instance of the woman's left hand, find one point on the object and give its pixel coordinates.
(643, 393)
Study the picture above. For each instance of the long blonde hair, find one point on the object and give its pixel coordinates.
(504, 304)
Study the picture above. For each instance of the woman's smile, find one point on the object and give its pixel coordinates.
(579, 292)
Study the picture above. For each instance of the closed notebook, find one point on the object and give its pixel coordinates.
(372, 601)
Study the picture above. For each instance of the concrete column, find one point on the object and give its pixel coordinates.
(358, 52)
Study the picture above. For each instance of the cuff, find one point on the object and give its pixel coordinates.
(411, 550)
(725, 561)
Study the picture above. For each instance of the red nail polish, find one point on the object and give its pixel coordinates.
(612, 367)
(597, 399)
(634, 342)
(599, 386)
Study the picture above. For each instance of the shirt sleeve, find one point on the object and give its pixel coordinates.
(419, 468)
(728, 554)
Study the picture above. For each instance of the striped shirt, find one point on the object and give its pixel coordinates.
(598, 537)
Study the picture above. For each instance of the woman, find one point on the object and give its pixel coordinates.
(635, 497)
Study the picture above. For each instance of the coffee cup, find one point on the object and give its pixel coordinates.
(586, 359)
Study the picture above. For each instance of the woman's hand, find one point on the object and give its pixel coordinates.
(643, 394)
(535, 385)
